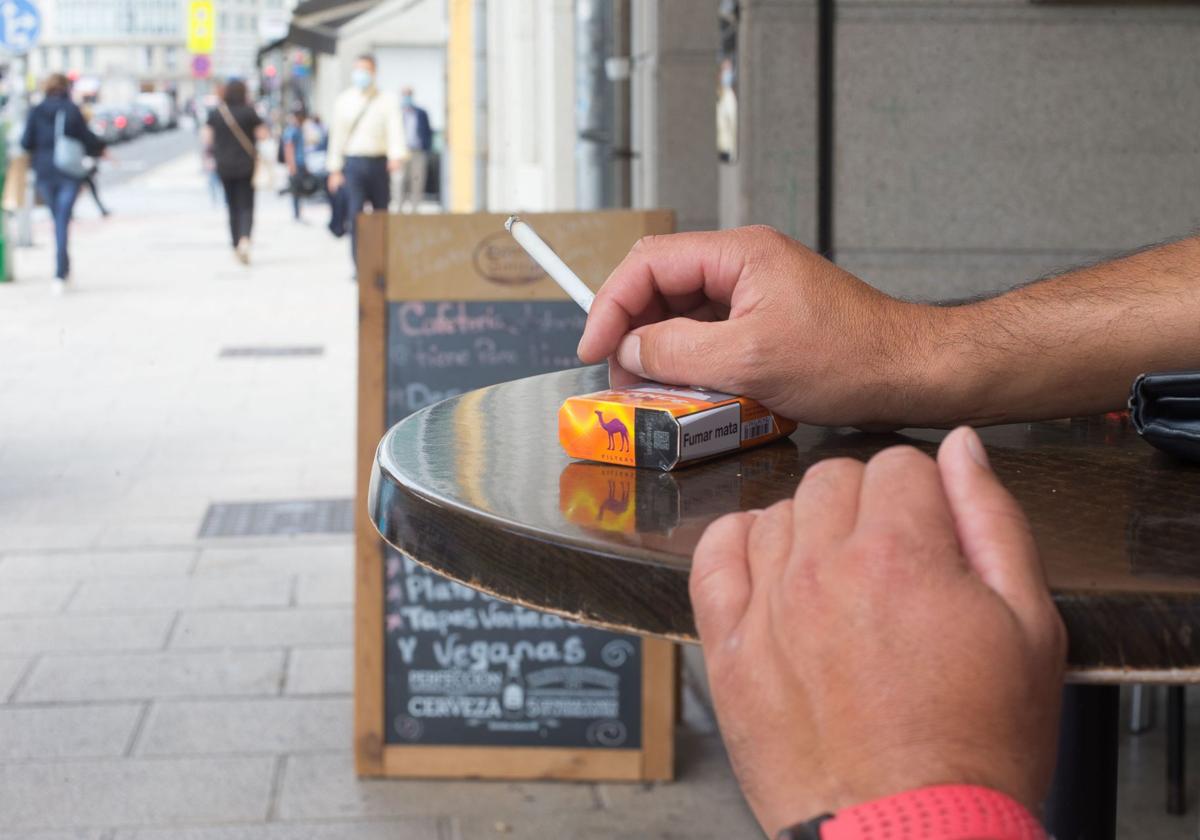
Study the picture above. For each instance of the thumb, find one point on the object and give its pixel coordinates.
(992, 529)
(683, 351)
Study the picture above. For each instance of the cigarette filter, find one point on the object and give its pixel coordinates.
(663, 426)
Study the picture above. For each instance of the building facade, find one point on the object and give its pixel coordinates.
(116, 47)
(969, 146)
(120, 47)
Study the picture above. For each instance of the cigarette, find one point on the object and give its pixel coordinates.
(550, 262)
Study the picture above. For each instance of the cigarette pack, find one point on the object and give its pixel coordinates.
(663, 426)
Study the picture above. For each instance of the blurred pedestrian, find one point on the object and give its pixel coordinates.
(366, 143)
(57, 137)
(418, 137)
(231, 131)
(293, 145)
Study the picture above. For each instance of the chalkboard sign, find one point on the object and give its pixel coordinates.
(451, 682)
(438, 349)
(465, 668)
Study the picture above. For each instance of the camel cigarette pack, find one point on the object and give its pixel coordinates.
(663, 426)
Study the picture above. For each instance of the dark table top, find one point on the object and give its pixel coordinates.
(478, 489)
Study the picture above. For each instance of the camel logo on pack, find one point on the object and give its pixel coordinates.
(614, 427)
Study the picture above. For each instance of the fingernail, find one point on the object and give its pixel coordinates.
(629, 355)
(975, 447)
(755, 511)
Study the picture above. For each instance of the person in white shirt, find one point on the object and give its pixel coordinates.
(366, 143)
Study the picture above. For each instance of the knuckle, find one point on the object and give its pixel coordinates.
(718, 533)
(647, 242)
(779, 509)
(832, 469)
(901, 455)
(764, 231)
(765, 243)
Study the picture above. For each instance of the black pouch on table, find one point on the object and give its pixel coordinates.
(1165, 408)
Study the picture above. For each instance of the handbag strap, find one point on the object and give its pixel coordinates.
(236, 130)
(362, 112)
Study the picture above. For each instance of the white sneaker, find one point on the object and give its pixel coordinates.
(59, 286)
(243, 250)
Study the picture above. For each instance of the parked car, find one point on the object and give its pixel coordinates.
(163, 106)
(146, 116)
(128, 122)
(103, 125)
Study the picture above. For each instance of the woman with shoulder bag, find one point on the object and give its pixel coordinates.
(232, 129)
(57, 138)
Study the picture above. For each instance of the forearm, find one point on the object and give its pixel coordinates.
(1070, 345)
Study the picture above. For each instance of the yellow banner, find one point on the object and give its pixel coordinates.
(202, 27)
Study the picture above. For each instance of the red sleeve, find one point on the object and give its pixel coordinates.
(943, 812)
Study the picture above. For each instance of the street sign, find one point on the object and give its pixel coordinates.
(20, 25)
(201, 66)
(202, 27)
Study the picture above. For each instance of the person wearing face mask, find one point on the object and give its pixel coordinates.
(418, 137)
(366, 144)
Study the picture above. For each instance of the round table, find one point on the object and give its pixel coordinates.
(478, 489)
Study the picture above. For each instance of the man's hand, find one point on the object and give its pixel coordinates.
(335, 181)
(395, 165)
(887, 628)
(752, 312)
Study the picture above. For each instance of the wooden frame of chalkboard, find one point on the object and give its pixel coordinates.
(389, 272)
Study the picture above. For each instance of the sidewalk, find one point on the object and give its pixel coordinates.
(154, 684)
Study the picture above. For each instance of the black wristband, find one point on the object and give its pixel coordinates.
(810, 830)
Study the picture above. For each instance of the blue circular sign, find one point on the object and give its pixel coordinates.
(20, 25)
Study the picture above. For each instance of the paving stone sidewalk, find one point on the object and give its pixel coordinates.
(158, 685)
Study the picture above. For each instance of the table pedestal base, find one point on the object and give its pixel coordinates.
(1083, 797)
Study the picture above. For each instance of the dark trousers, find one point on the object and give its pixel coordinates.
(90, 182)
(239, 197)
(59, 193)
(367, 180)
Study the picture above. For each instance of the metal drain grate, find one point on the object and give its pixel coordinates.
(278, 519)
(236, 352)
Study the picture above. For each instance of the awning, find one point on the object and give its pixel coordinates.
(315, 24)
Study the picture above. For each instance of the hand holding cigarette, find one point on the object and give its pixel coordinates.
(752, 312)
